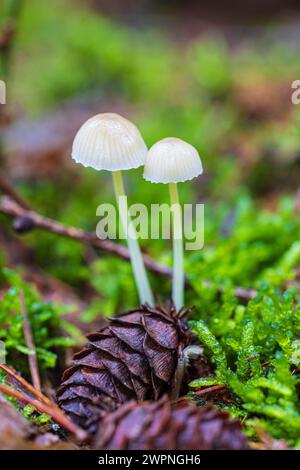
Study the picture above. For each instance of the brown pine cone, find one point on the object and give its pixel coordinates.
(133, 358)
(162, 426)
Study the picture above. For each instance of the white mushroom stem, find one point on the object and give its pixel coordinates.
(187, 355)
(178, 269)
(136, 258)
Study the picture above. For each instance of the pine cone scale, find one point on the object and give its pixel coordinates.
(161, 332)
(101, 380)
(164, 362)
(131, 335)
(118, 370)
(140, 389)
(136, 363)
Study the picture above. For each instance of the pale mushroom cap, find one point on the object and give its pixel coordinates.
(172, 160)
(109, 142)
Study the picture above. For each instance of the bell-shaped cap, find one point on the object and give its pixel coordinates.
(172, 160)
(109, 142)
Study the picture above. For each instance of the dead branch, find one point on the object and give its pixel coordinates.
(53, 411)
(206, 390)
(7, 189)
(26, 385)
(13, 209)
(32, 358)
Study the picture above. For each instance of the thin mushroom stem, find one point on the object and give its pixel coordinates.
(178, 269)
(138, 267)
(189, 353)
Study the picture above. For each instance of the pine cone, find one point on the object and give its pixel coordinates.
(133, 358)
(161, 426)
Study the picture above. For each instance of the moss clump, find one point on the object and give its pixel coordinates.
(256, 352)
(46, 323)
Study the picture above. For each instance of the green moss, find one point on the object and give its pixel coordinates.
(261, 246)
(257, 358)
(46, 321)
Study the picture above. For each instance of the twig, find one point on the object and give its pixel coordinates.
(267, 363)
(26, 385)
(214, 388)
(13, 209)
(55, 413)
(267, 442)
(32, 359)
(7, 189)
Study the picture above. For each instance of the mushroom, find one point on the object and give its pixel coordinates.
(172, 160)
(110, 142)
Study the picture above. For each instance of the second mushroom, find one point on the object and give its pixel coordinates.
(171, 161)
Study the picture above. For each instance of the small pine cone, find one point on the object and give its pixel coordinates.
(162, 426)
(133, 358)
